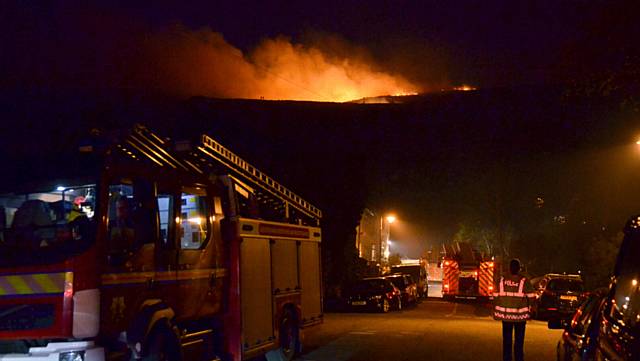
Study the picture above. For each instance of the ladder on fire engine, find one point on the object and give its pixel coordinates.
(229, 159)
(153, 147)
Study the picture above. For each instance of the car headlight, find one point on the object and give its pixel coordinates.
(72, 356)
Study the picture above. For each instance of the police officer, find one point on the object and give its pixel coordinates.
(511, 306)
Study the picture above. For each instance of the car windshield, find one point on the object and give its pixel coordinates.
(52, 220)
(414, 271)
(397, 281)
(371, 284)
(561, 284)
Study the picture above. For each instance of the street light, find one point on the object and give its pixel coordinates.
(384, 241)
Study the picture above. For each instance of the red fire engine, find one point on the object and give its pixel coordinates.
(145, 248)
(466, 274)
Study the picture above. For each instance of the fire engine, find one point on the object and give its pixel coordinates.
(466, 274)
(139, 247)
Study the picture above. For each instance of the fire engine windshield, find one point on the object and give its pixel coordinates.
(36, 226)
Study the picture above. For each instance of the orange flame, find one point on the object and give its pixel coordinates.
(203, 63)
(464, 88)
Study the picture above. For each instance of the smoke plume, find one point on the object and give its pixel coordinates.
(202, 63)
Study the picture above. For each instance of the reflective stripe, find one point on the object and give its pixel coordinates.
(531, 295)
(501, 285)
(521, 286)
(496, 294)
(511, 317)
(109, 279)
(512, 310)
(511, 294)
(33, 283)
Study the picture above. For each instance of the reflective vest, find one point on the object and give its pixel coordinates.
(511, 301)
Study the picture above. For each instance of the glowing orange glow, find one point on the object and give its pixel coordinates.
(446, 263)
(415, 93)
(464, 88)
(490, 288)
(203, 63)
(491, 264)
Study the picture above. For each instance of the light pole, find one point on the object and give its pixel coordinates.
(385, 232)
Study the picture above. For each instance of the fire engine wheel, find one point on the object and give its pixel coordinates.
(163, 345)
(289, 335)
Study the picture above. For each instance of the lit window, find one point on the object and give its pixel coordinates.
(194, 223)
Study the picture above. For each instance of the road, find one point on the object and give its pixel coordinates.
(433, 330)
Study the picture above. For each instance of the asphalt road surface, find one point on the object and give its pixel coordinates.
(433, 330)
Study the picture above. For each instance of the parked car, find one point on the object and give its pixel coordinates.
(558, 296)
(619, 337)
(374, 294)
(609, 329)
(579, 340)
(419, 274)
(407, 286)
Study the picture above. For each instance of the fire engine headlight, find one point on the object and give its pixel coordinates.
(72, 356)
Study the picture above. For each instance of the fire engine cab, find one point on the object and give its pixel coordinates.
(466, 274)
(135, 246)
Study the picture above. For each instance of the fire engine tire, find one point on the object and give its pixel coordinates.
(289, 335)
(162, 344)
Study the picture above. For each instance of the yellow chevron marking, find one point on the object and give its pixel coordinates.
(18, 283)
(48, 286)
(22, 284)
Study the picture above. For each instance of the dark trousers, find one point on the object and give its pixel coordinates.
(508, 348)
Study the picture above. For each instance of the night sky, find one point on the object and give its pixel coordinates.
(436, 160)
(432, 43)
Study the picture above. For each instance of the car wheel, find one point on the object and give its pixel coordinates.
(385, 306)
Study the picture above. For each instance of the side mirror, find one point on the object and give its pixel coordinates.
(558, 324)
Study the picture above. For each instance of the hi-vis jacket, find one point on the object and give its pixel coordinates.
(511, 301)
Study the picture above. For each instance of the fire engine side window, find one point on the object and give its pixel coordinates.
(247, 202)
(165, 212)
(194, 218)
(121, 230)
